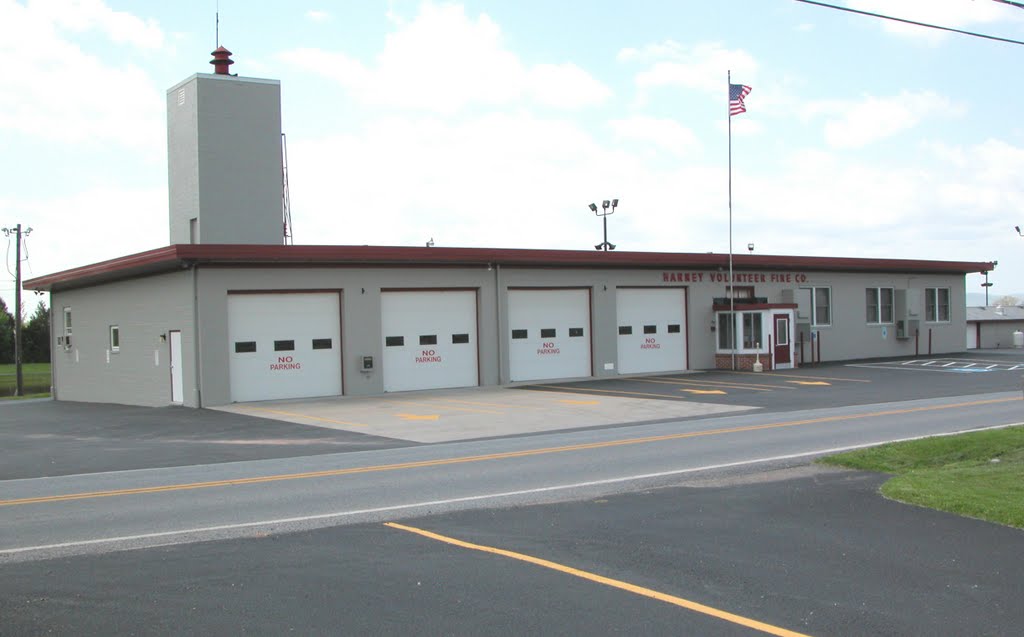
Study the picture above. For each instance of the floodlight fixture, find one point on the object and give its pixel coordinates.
(608, 207)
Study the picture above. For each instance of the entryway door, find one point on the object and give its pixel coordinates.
(783, 346)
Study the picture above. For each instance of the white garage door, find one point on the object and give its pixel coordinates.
(284, 345)
(652, 329)
(549, 334)
(429, 339)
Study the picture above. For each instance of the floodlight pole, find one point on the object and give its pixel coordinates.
(603, 213)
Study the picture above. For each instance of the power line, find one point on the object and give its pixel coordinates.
(1019, 5)
(920, 24)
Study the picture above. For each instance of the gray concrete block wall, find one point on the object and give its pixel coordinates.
(146, 307)
(138, 374)
(225, 159)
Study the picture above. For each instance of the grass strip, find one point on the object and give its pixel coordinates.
(978, 474)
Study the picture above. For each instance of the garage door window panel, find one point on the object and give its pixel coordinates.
(284, 346)
(460, 339)
(245, 347)
(428, 339)
(323, 343)
(394, 341)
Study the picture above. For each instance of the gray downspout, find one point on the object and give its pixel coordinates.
(196, 362)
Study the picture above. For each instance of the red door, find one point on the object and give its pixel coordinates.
(782, 347)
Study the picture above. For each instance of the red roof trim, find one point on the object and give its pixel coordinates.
(175, 256)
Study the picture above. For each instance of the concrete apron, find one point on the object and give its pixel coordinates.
(480, 412)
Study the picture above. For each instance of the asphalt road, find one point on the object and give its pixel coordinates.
(724, 512)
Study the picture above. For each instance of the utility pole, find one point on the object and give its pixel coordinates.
(16, 231)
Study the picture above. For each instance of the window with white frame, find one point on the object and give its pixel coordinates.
(821, 305)
(936, 303)
(115, 339)
(66, 339)
(878, 305)
(751, 330)
(749, 326)
(726, 331)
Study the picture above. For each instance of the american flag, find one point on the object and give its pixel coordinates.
(736, 94)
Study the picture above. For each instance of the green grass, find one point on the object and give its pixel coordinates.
(35, 380)
(979, 474)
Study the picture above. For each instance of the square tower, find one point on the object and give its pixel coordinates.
(224, 163)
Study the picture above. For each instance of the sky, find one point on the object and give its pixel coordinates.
(496, 123)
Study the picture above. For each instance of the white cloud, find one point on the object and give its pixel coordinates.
(317, 15)
(666, 134)
(54, 91)
(696, 67)
(85, 15)
(91, 226)
(855, 124)
(564, 86)
(955, 14)
(444, 61)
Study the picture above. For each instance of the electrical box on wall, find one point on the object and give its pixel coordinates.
(907, 328)
(366, 364)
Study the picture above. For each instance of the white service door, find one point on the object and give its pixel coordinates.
(972, 336)
(284, 345)
(549, 334)
(652, 330)
(429, 339)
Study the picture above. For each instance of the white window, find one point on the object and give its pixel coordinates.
(67, 328)
(878, 305)
(751, 330)
(748, 324)
(821, 305)
(115, 339)
(936, 301)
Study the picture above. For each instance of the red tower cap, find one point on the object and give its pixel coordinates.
(221, 61)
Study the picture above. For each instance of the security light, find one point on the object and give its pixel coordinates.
(593, 207)
(606, 203)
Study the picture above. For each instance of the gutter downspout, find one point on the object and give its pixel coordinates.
(197, 364)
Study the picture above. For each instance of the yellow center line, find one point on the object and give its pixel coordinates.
(607, 581)
(485, 457)
(299, 415)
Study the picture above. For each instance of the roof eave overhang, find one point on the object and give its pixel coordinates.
(183, 256)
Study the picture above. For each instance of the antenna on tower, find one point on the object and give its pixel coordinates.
(217, 25)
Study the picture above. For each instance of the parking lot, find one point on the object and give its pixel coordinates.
(56, 438)
(781, 542)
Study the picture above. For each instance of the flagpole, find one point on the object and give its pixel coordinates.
(728, 288)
